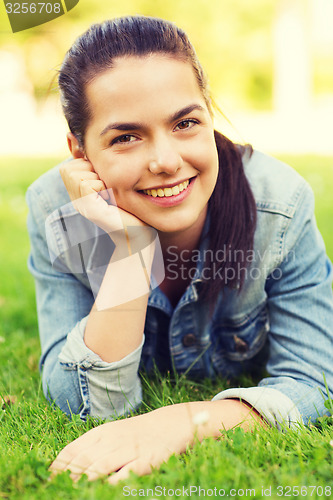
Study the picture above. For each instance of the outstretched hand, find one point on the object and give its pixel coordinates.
(137, 444)
(145, 441)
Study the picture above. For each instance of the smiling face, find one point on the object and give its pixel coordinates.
(151, 139)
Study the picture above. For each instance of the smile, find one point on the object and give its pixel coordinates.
(167, 192)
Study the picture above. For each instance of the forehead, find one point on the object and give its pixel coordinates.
(141, 85)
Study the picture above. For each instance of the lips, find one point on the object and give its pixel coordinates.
(168, 191)
(173, 199)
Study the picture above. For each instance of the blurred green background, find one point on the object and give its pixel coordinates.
(270, 67)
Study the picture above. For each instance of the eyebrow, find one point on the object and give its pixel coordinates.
(137, 125)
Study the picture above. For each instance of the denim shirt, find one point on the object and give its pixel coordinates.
(282, 317)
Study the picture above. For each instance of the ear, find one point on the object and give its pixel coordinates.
(74, 146)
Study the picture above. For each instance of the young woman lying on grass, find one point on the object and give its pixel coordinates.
(155, 189)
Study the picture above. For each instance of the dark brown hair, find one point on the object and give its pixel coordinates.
(232, 206)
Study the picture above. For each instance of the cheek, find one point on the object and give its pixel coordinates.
(205, 156)
(122, 179)
(203, 148)
(115, 175)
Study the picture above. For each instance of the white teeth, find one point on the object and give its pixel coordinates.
(167, 191)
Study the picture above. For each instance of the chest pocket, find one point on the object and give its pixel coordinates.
(241, 337)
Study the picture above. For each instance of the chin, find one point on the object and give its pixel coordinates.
(174, 227)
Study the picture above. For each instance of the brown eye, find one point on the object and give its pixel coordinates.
(123, 139)
(185, 124)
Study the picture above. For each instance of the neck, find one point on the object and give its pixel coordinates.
(177, 279)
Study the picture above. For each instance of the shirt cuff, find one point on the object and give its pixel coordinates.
(108, 389)
(274, 406)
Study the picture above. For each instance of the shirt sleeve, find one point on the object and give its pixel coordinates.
(300, 306)
(74, 377)
(274, 406)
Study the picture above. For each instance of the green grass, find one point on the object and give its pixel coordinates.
(31, 432)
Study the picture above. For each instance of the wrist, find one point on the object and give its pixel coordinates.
(211, 418)
(133, 240)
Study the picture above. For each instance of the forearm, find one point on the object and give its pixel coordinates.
(199, 420)
(211, 418)
(114, 331)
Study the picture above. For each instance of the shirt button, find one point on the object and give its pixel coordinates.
(189, 340)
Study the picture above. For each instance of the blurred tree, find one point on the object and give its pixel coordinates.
(234, 40)
(293, 75)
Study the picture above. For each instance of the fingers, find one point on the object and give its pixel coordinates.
(117, 467)
(79, 446)
(140, 467)
(67, 460)
(87, 187)
(95, 461)
(76, 172)
(94, 207)
(109, 462)
(75, 165)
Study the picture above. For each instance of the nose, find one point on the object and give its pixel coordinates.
(165, 158)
